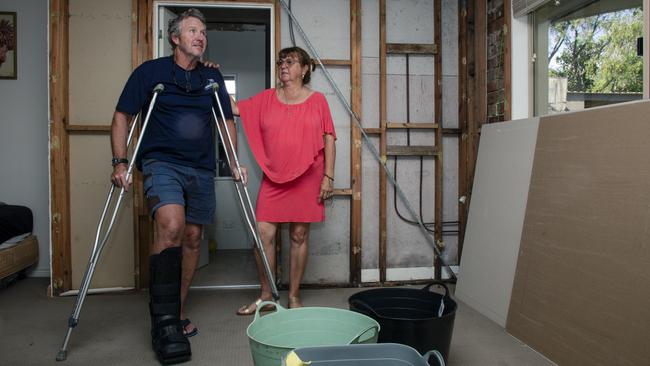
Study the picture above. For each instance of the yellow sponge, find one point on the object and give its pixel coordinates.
(293, 360)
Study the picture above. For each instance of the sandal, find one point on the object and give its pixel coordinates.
(250, 308)
(185, 323)
(294, 302)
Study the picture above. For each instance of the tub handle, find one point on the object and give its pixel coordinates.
(441, 284)
(437, 355)
(441, 308)
(355, 340)
(261, 305)
(365, 306)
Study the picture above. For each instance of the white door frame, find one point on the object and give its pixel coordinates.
(217, 4)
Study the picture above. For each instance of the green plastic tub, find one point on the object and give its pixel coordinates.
(272, 336)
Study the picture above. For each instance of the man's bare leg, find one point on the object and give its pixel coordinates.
(191, 251)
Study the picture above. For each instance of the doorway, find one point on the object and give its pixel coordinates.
(239, 40)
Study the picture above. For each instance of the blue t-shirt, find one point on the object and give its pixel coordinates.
(181, 127)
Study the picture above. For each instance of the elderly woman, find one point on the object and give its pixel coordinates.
(291, 134)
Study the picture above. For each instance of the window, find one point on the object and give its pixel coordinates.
(586, 54)
(223, 169)
(231, 85)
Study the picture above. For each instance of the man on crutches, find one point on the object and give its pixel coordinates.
(177, 159)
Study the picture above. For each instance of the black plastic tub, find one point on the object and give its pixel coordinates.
(421, 318)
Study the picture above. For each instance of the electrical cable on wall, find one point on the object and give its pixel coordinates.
(408, 143)
(426, 224)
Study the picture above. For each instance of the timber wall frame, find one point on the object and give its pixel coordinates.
(472, 111)
(59, 148)
(472, 93)
(384, 125)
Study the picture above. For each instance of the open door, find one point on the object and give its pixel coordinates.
(239, 40)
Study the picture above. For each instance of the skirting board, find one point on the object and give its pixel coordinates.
(402, 274)
(103, 290)
(39, 272)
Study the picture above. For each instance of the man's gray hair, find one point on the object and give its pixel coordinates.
(174, 26)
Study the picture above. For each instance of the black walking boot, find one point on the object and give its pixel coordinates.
(167, 337)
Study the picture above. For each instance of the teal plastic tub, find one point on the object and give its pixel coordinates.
(272, 336)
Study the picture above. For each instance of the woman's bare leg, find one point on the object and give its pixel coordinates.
(299, 233)
(267, 232)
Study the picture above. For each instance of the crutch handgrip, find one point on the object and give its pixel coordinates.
(158, 88)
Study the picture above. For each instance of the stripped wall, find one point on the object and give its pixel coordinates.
(409, 22)
(328, 26)
(410, 255)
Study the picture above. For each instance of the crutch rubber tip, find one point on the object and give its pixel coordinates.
(62, 355)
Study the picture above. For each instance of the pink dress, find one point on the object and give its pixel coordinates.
(287, 142)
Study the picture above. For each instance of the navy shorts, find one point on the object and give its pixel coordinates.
(169, 183)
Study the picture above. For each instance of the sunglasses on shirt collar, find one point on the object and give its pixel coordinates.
(188, 79)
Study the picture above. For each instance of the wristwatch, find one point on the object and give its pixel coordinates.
(115, 161)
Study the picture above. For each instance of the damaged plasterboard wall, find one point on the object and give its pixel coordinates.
(496, 216)
(327, 24)
(90, 104)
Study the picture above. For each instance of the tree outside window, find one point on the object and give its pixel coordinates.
(590, 57)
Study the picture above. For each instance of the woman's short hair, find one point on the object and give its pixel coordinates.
(303, 58)
(174, 25)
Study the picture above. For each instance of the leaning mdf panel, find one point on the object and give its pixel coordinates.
(581, 294)
(496, 216)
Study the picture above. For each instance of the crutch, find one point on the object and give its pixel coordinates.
(99, 244)
(247, 206)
